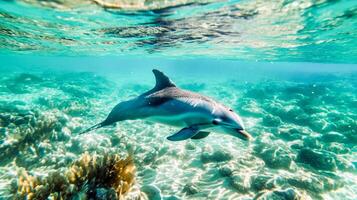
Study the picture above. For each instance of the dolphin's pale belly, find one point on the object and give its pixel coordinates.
(181, 114)
(179, 120)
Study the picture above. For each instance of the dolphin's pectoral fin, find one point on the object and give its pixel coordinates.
(184, 134)
(200, 135)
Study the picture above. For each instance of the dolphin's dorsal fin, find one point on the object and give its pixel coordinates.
(162, 81)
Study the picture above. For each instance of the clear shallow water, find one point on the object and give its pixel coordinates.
(292, 31)
(64, 65)
(302, 116)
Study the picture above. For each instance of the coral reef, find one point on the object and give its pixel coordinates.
(24, 130)
(91, 176)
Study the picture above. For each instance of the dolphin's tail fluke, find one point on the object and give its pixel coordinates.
(101, 124)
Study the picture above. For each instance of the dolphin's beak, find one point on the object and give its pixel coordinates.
(244, 135)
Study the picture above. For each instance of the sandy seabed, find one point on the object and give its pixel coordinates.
(304, 147)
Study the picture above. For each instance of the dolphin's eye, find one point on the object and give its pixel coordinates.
(231, 110)
(215, 122)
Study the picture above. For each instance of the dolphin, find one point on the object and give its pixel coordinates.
(196, 114)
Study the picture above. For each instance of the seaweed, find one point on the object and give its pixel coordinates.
(91, 176)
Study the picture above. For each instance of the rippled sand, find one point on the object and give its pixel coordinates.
(304, 129)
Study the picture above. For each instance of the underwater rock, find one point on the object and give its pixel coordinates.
(273, 156)
(345, 165)
(318, 123)
(190, 189)
(290, 134)
(262, 182)
(239, 183)
(274, 108)
(311, 184)
(301, 119)
(150, 157)
(163, 150)
(19, 121)
(225, 171)
(276, 158)
(148, 175)
(115, 140)
(318, 159)
(346, 124)
(351, 136)
(286, 194)
(152, 192)
(294, 114)
(190, 146)
(333, 137)
(337, 148)
(316, 184)
(312, 142)
(217, 156)
(271, 120)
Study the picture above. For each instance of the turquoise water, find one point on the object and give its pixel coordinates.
(288, 68)
(291, 31)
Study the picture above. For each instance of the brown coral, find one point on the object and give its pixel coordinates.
(92, 172)
(106, 171)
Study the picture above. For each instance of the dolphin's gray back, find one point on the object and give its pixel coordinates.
(162, 96)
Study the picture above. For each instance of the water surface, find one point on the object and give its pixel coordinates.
(293, 31)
